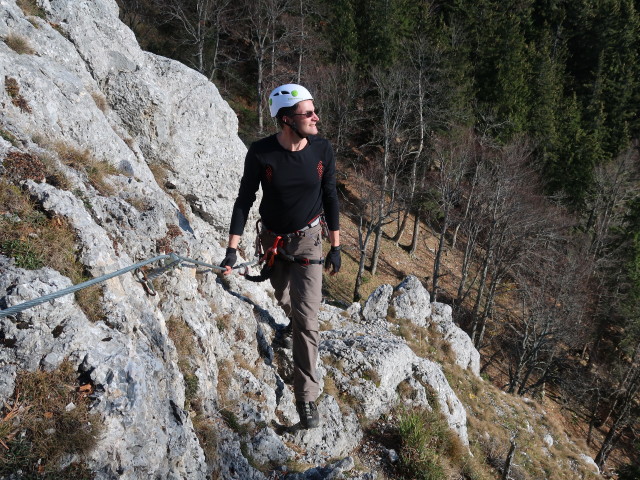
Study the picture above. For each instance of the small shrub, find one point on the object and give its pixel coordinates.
(24, 252)
(39, 430)
(9, 137)
(22, 166)
(58, 28)
(31, 8)
(422, 443)
(405, 390)
(163, 245)
(207, 434)
(191, 388)
(223, 322)
(12, 88)
(232, 422)
(18, 44)
(371, 375)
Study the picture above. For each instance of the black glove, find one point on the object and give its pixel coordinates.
(230, 258)
(333, 260)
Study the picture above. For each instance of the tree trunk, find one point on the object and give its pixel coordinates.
(488, 309)
(476, 306)
(415, 235)
(302, 42)
(363, 242)
(259, 93)
(376, 249)
(437, 260)
(594, 415)
(507, 463)
(403, 225)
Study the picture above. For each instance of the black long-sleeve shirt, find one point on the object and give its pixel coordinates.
(296, 186)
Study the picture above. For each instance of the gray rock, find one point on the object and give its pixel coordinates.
(268, 447)
(411, 301)
(590, 462)
(393, 456)
(376, 307)
(467, 356)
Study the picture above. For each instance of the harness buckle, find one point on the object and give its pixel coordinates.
(304, 262)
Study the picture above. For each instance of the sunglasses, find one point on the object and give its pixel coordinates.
(308, 114)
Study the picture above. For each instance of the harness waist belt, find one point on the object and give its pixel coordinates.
(315, 222)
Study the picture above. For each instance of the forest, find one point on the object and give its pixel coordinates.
(510, 128)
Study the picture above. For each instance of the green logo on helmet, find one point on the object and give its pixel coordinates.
(271, 101)
(294, 93)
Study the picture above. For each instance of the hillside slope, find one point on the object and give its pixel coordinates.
(132, 156)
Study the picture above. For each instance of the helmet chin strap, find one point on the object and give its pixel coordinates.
(293, 127)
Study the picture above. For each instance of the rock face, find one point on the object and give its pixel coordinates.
(85, 84)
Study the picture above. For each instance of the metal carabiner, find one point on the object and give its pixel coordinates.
(147, 284)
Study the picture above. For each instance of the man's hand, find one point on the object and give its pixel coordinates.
(333, 259)
(229, 260)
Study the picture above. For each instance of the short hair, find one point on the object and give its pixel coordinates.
(285, 112)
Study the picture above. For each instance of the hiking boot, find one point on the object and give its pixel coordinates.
(284, 337)
(308, 413)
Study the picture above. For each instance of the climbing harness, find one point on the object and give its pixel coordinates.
(277, 251)
(145, 278)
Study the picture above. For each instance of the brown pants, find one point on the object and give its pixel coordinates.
(298, 289)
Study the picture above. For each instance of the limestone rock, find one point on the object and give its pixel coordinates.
(376, 306)
(590, 463)
(411, 301)
(467, 356)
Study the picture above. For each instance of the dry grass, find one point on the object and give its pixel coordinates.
(19, 44)
(35, 240)
(96, 171)
(100, 101)
(160, 173)
(47, 419)
(430, 450)
(12, 87)
(206, 430)
(183, 339)
(493, 417)
(207, 433)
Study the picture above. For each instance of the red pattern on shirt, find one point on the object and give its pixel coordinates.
(269, 173)
(320, 170)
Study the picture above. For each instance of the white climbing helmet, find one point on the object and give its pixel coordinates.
(287, 96)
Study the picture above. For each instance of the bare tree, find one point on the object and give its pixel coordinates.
(201, 23)
(338, 91)
(394, 106)
(265, 32)
(453, 157)
(624, 404)
(551, 317)
(364, 214)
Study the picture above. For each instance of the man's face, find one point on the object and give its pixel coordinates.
(305, 118)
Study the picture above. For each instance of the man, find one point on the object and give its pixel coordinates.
(296, 170)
